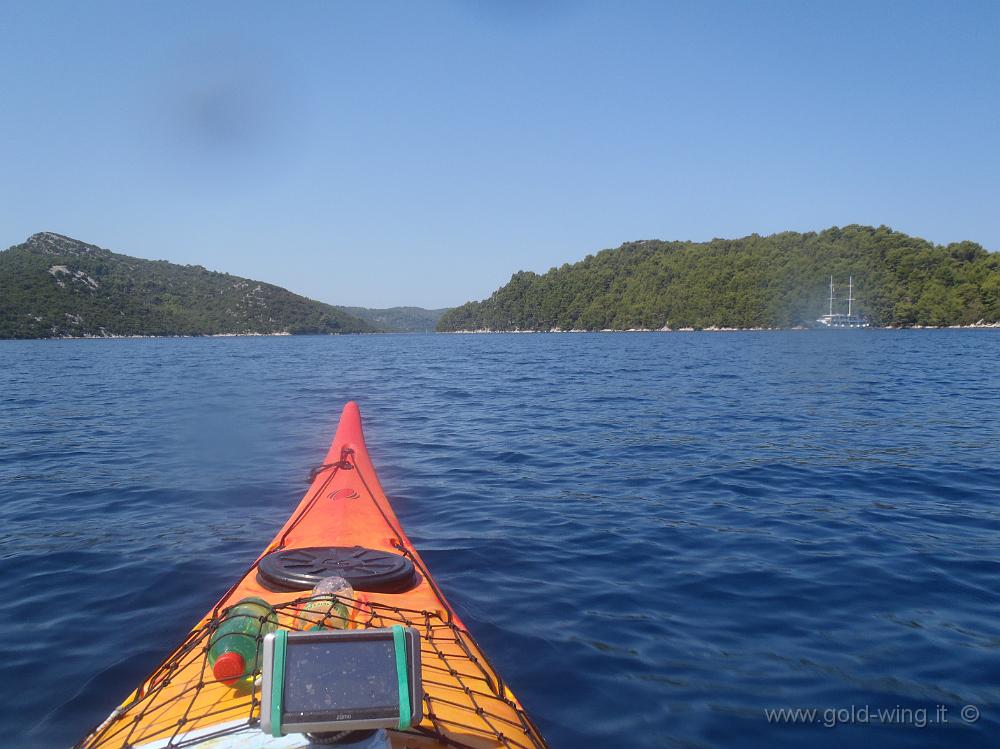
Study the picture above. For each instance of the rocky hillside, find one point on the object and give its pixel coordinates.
(780, 280)
(53, 286)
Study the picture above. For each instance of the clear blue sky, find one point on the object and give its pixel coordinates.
(419, 153)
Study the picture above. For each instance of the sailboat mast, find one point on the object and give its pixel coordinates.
(831, 296)
(850, 294)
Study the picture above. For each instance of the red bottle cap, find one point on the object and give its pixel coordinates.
(229, 668)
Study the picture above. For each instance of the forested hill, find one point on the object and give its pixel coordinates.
(780, 280)
(53, 286)
(399, 319)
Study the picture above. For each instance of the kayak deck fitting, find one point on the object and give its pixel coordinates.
(466, 702)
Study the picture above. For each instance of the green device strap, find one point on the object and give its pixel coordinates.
(278, 680)
(399, 641)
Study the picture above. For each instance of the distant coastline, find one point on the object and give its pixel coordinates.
(717, 329)
(712, 329)
(53, 286)
(110, 337)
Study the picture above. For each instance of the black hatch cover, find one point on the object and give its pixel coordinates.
(369, 570)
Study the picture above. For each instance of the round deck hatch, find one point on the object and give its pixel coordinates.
(365, 569)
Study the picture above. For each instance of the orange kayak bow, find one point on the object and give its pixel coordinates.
(466, 702)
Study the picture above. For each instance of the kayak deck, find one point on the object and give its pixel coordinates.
(466, 703)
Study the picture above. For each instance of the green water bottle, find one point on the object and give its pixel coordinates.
(234, 648)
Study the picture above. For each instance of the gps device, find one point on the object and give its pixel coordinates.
(340, 680)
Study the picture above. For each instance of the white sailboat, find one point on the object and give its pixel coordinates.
(839, 319)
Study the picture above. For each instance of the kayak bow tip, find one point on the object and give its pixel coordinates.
(349, 432)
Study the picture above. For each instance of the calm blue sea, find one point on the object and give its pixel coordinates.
(656, 537)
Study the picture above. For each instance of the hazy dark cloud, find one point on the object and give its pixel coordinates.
(225, 98)
(227, 113)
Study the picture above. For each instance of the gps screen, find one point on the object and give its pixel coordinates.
(326, 675)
